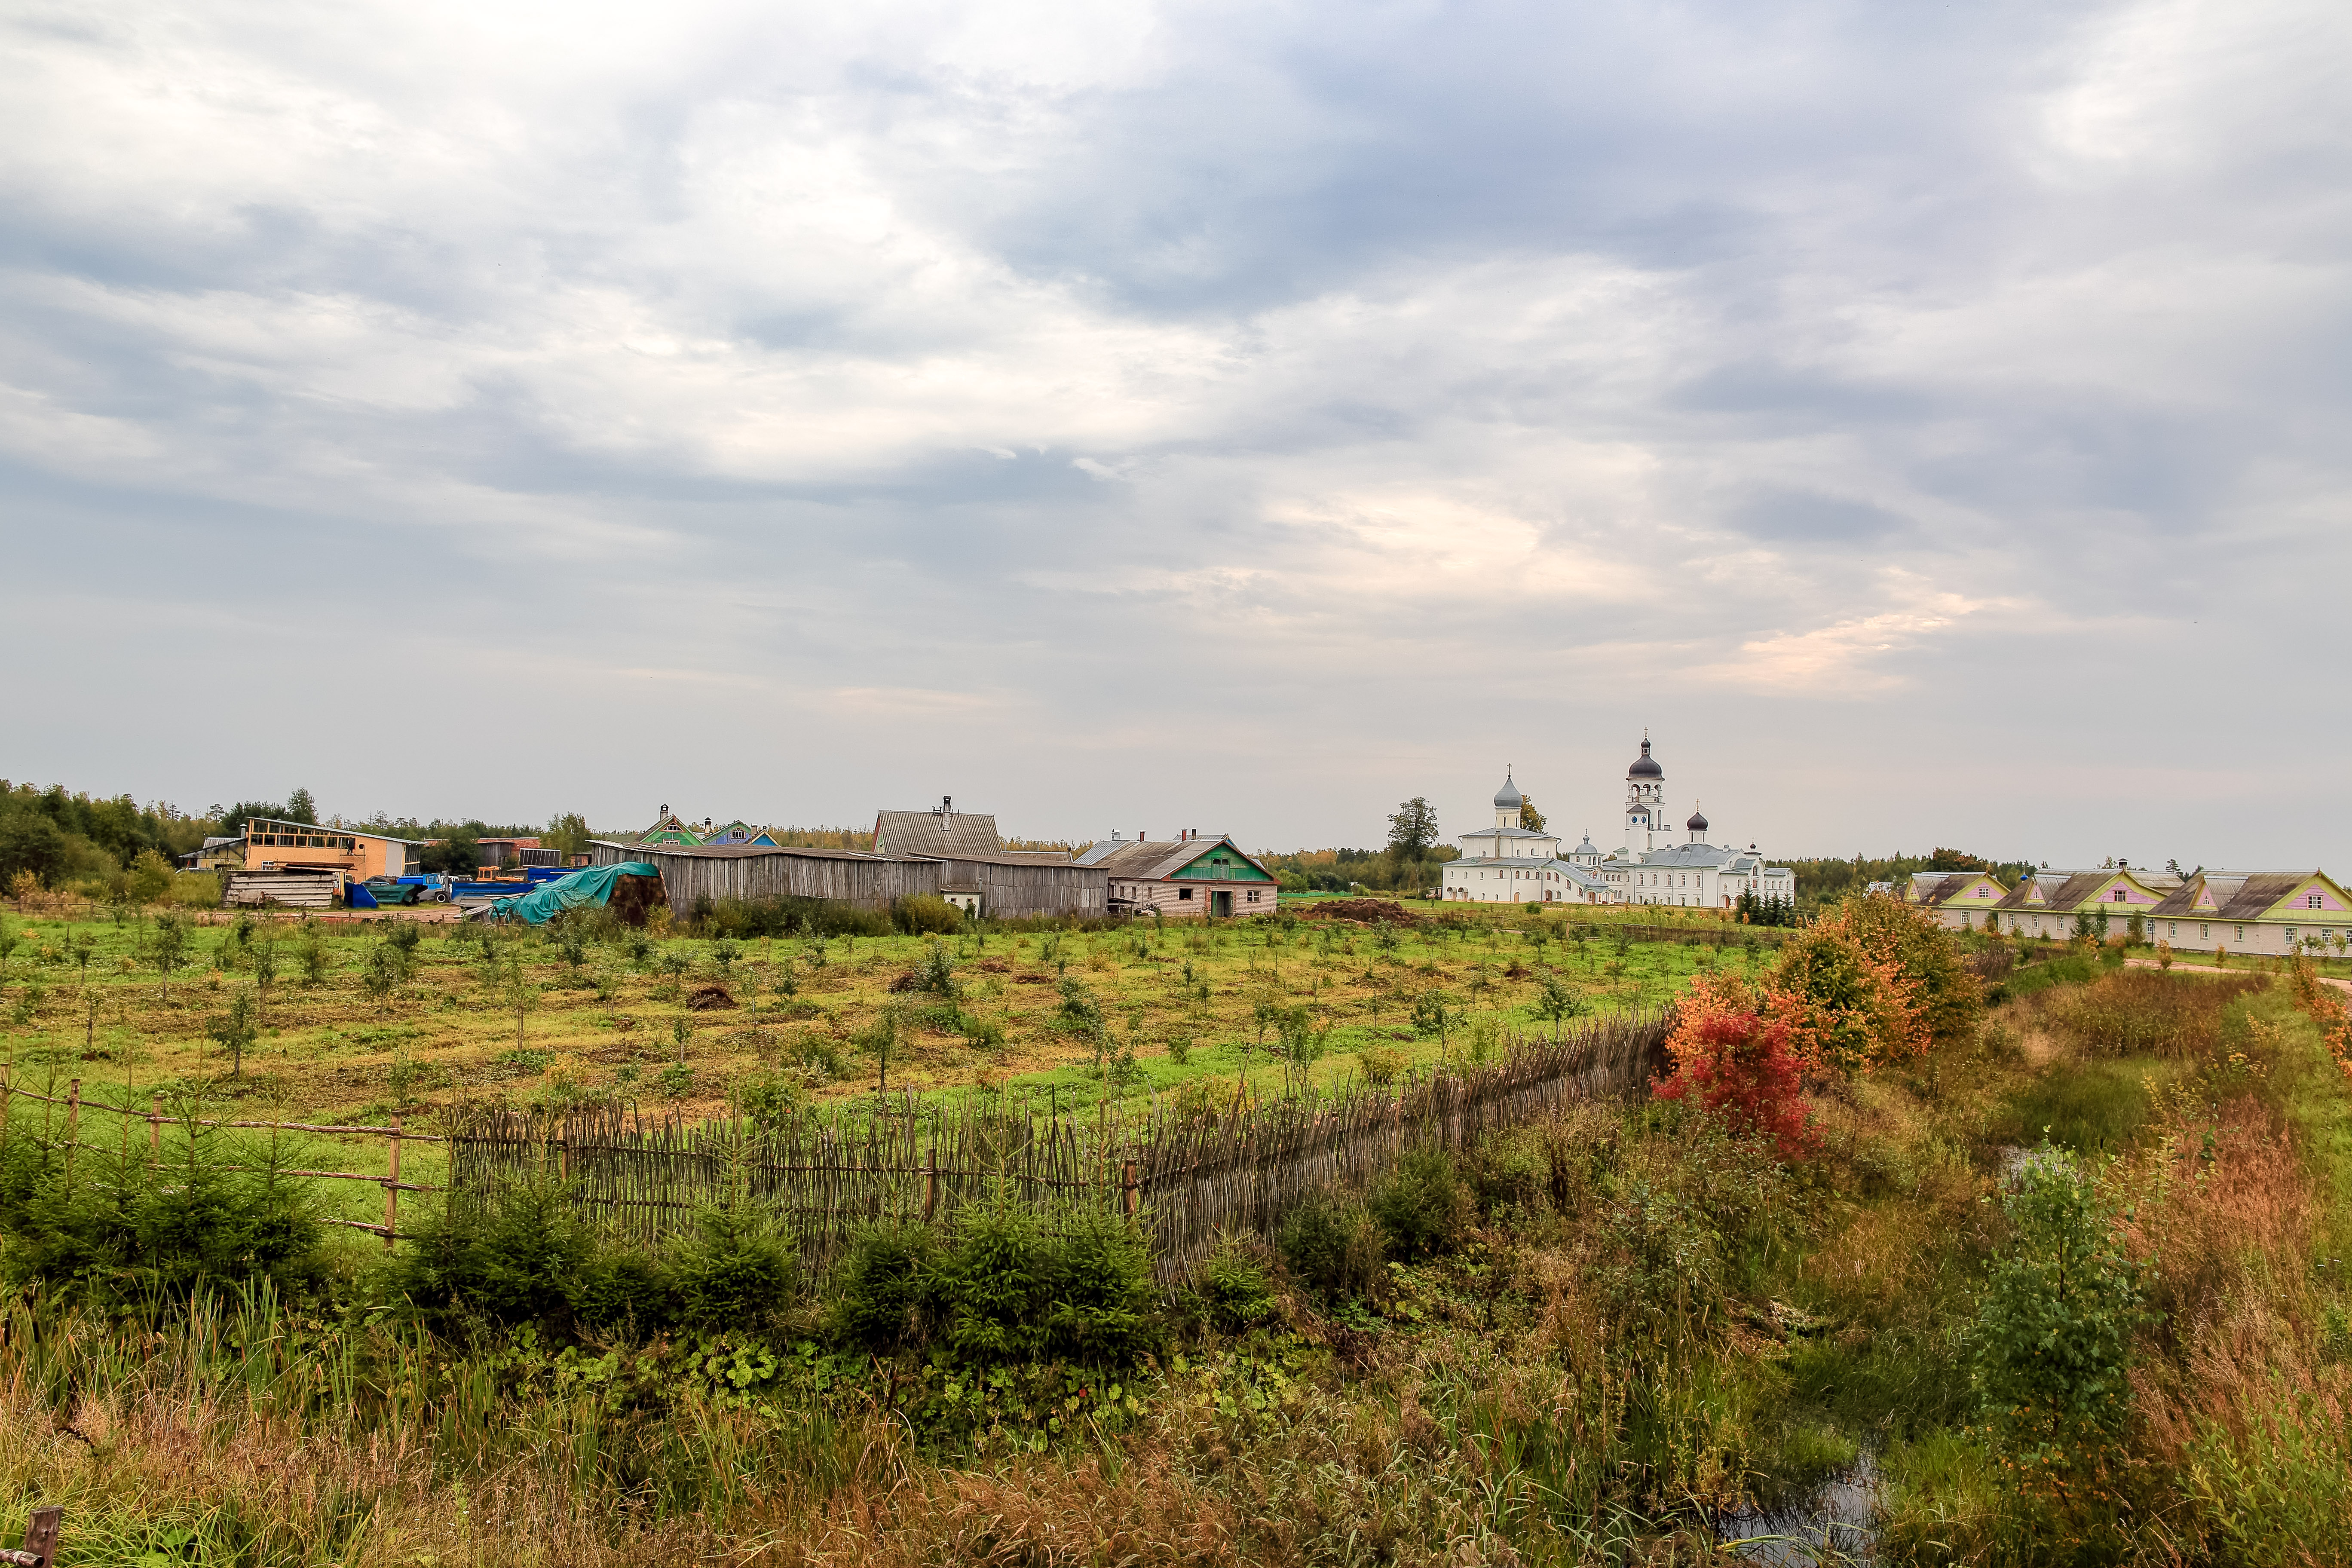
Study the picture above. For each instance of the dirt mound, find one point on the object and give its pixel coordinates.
(709, 999)
(1365, 910)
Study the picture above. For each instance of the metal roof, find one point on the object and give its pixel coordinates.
(1151, 861)
(935, 833)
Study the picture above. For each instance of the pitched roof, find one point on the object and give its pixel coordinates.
(1935, 888)
(2259, 893)
(1151, 861)
(935, 833)
(1684, 856)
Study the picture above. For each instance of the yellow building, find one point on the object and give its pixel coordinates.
(359, 855)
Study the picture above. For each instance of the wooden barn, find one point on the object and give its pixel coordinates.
(1008, 885)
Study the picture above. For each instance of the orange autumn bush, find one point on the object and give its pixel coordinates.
(1876, 981)
(2324, 1003)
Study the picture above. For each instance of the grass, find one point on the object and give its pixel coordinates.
(1639, 1330)
(330, 1052)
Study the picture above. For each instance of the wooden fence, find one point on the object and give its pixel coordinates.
(1186, 1173)
(74, 1106)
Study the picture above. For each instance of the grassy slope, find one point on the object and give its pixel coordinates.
(1475, 1408)
(331, 1054)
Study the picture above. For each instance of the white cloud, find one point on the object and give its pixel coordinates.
(1370, 388)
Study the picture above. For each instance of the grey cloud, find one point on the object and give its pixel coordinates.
(1478, 380)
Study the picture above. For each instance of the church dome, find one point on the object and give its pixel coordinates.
(1645, 766)
(1508, 795)
(1698, 823)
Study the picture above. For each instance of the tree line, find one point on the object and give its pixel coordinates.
(64, 839)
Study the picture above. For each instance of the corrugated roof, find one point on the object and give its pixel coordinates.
(2259, 893)
(935, 833)
(1684, 856)
(742, 851)
(1152, 859)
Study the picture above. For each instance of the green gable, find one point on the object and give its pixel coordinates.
(1221, 863)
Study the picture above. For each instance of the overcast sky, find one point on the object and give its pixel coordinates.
(1930, 423)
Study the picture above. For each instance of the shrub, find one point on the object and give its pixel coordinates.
(1945, 997)
(2055, 1323)
(1508, 1171)
(1422, 1206)
(1740, 1066)
(736, 1272)
(997, 1286)
(1846, 1010)
(1331, 1244)
(112, 1230)
(885, 1287)
(1666, 1263)
(1381, 1064)
(516, 1256)
(1231, 1289)
(923, 914)
(1101, 1314)
(1079, 1013)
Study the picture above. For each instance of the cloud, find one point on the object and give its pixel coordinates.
(1262, 414)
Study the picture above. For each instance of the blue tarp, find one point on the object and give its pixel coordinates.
(582, 890)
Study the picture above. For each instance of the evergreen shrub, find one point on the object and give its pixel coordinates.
(1331, 1244)
(1422, 1207)
(885, 1287)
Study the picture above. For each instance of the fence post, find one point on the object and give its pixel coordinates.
(1127, 1188)
(73, 1120)
(155, 1130)
(40, 1547)
(392, 1188)
(931, 1188)
(7, 1093)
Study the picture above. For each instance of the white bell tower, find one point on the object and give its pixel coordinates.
(1645, 801)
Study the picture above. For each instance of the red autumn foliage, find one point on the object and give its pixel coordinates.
(1741, 1067)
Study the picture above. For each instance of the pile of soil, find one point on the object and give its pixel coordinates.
(709, 999)
(633, 895)
(1365, 910)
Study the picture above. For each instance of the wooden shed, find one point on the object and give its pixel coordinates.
(1011, 885)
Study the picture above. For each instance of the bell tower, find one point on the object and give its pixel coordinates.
(1645, 804)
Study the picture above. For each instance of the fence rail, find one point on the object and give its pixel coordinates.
(156, 1121)
(1186, 1174)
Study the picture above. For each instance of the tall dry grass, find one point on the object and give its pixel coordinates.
(236, 1431)
(2144, 1012)
(2244, 1406)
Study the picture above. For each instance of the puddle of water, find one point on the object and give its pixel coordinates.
(1834, 1524)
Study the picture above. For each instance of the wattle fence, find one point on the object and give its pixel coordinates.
(1187, 1175)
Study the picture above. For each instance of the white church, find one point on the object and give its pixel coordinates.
(1509, 864)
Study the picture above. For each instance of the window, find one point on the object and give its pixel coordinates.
(1253, 897)
(1183, 892)
(2242, 933)
(2203, 932)
(2310, 900)
(2172, 928)
(2120, 895)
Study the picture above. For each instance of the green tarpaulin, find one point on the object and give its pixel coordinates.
(582, 890)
